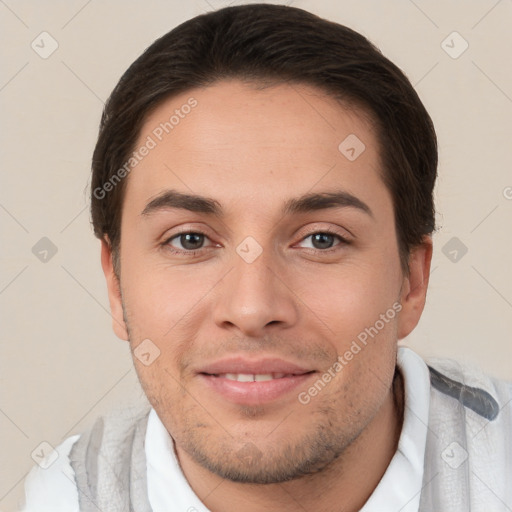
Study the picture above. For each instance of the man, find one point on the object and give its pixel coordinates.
(263, 192)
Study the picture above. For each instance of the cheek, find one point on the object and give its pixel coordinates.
(162, 386)
(162, 305)
(350, 297)
(160, 299)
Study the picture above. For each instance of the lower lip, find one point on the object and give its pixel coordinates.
(254, 393)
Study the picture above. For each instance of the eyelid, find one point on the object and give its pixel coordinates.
(343, 233)
(182, 230)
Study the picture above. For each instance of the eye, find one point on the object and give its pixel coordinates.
(324, 240)
(190, 242)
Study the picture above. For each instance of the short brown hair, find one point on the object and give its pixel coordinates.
(262, 42)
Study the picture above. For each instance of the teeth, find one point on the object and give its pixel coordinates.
(244, 377)
(262, 377)
(248, 377)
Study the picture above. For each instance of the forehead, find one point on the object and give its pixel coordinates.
(240, 143)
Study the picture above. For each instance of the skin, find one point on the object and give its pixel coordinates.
(251, 150)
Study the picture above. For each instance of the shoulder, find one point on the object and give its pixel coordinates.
(52, 488)
(476, 390)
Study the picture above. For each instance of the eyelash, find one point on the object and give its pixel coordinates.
(195, 252)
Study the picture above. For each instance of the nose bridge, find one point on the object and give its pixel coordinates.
(254, 268)
(252, 294)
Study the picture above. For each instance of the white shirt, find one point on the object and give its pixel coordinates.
(53, 489)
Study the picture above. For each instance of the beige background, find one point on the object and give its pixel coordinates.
(61, 365)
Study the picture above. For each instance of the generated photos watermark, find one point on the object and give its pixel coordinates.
(151, 142)
(356, 346)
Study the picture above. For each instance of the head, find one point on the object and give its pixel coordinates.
(263, 190)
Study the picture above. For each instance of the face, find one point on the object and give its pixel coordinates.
(266, 309)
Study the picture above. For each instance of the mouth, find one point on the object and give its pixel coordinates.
(246, 382)
(254, 377)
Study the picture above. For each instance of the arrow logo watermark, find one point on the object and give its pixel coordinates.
(146, 352)
(454, 45)
(44, 45)
(351, 147)
(249, 249)
(454, 455)
(44, 250)
(44, 455)
(454, 249)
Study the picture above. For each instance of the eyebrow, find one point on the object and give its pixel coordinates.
(324, 200)
(172, 199)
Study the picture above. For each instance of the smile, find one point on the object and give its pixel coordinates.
(250, 377)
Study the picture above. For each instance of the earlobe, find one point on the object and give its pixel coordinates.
(114, 291)
(414, 287)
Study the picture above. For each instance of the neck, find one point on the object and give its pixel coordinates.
(344, 486)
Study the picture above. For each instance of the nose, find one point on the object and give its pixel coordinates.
(254, 298)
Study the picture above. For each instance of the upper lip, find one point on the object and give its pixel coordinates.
(260, 366)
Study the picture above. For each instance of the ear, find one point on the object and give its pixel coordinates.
(414, 287)
(114, 291)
